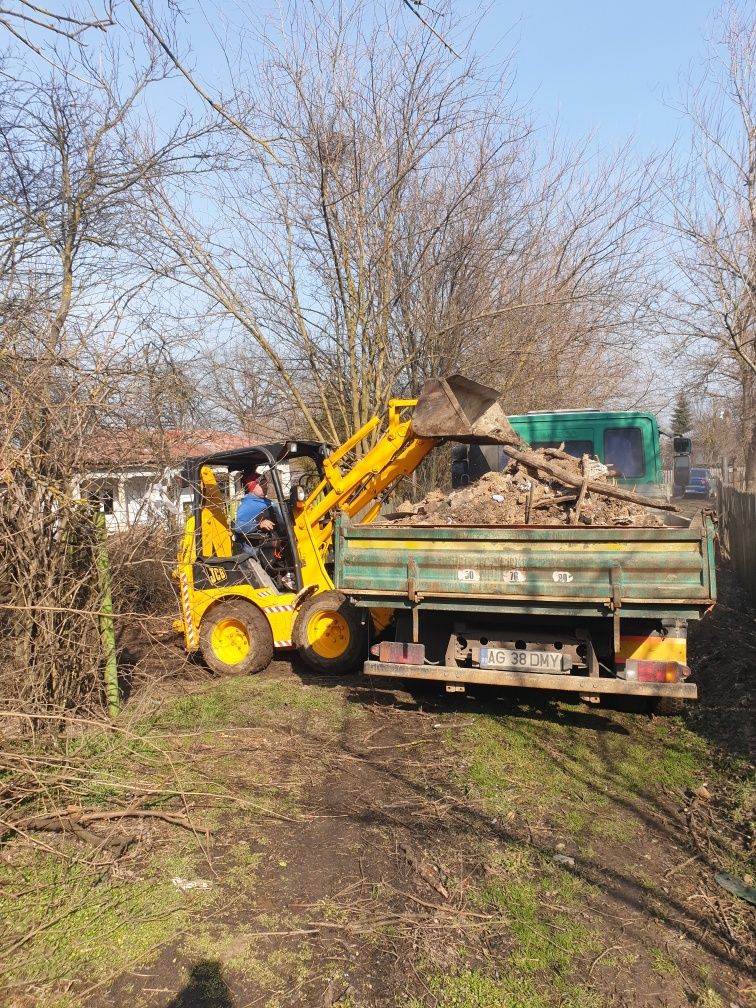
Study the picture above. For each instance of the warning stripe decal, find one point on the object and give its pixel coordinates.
(278, 608)
(191, 633)
(652, 649)
(283, 643)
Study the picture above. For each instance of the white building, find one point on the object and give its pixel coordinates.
(136, 475)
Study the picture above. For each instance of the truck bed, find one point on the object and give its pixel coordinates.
(535, 570)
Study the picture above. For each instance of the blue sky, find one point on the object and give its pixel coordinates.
(609, 67)
(614, 69)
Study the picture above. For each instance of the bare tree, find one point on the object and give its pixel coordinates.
(32, 24)
(77, 355)
(714, 204)
(548, 277)
(310, 257)
(51, 596)
(76, 160)
(408, 226)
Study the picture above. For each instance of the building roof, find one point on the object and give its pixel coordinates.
(118, 449)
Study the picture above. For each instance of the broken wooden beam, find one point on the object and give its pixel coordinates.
(532, 461)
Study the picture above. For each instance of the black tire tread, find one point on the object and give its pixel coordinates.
(260, 653)
(333, 601)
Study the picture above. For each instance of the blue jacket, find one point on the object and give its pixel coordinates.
(251, 509)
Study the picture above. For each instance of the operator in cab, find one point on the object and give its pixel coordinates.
(256, 511)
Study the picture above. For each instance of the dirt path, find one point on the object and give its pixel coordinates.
(369, 847)
(415, 865)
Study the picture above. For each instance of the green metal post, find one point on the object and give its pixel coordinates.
(107, 629)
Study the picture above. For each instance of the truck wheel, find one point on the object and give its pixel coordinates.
(666, 706)
(235, 638)
(329, 633)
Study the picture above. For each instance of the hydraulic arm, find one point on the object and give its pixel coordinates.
(356, 488)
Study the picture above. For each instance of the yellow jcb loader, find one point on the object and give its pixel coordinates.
(239, 604)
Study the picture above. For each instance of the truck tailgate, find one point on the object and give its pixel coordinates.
(559, 570)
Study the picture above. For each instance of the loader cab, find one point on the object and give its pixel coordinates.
(293, 468)
(627, 442)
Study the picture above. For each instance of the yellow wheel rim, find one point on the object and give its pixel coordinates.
(328, 634)
(230, 641)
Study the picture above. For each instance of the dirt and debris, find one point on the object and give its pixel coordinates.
(524, 494)
(434, 875)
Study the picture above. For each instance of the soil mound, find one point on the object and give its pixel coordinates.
(523, 494)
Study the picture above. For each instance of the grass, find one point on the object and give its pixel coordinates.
(659, 761)
(586, 775)
(473, 989)
(243, 953)
(743, 799)
(285, 695)
(86, 925)
(546, 941)
(709, 999)
(212, 709)
(536, 903)
(662, 963)
(71, 920)
(252, 702)
(543, 763)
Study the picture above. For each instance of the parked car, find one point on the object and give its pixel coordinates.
(699, 484)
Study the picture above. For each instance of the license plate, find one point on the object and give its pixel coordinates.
(524, 661)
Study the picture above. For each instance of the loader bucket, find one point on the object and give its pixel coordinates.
(460, 409)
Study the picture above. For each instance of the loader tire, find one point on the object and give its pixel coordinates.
(235, 638)
(330, 633)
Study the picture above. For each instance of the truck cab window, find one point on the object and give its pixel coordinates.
(623, 450)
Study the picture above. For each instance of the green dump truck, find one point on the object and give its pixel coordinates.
(590, 610)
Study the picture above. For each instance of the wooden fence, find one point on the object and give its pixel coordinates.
(737, 532)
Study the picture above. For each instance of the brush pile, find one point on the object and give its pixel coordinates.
(539, 487)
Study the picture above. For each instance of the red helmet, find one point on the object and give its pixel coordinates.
(251, 480)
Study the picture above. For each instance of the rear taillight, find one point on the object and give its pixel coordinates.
(639, 670)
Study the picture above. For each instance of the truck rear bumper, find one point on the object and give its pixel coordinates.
(530, 680)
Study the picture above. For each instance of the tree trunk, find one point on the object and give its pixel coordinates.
(749, 428)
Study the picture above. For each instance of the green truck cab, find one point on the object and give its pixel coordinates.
(627, 442)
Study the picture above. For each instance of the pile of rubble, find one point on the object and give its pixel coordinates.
(541, 487)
